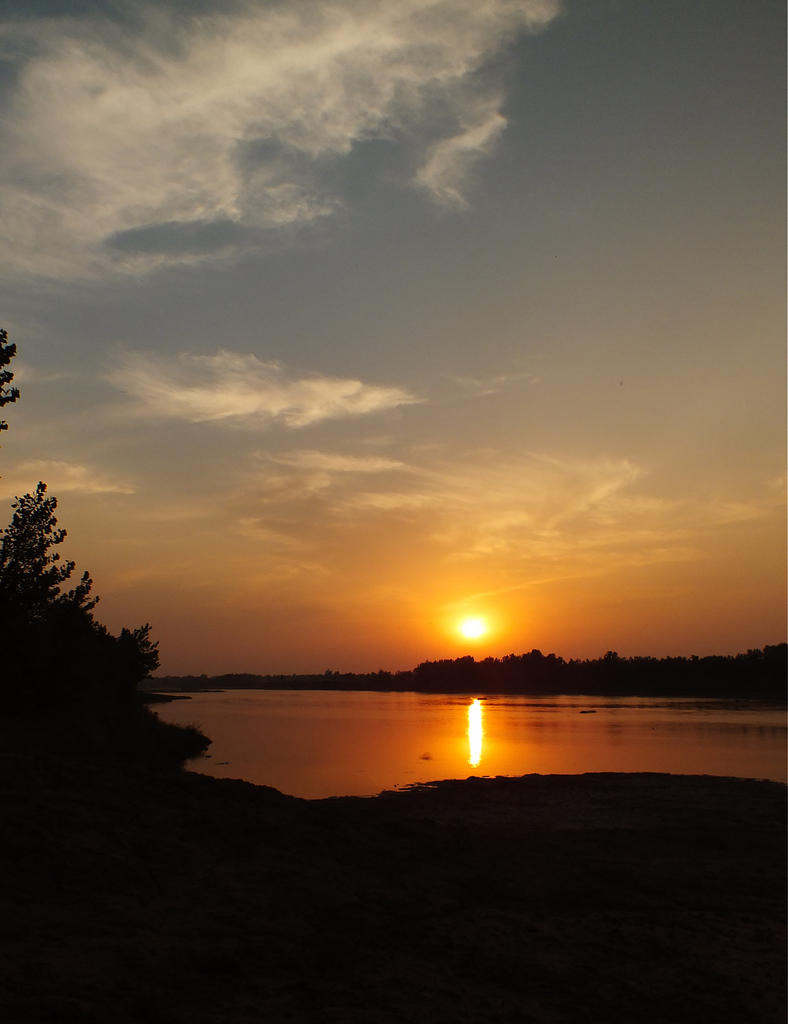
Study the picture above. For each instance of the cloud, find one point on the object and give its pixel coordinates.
(495, 504)
(177, 138)
(492, 385)
(483, 503)
(336, 463)
(533, 515)
(447, 165)
(391, 501)
(59, 477)
(540, 515)
(244, 390)
(196, 238)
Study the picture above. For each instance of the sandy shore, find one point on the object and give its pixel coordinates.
(132, 897)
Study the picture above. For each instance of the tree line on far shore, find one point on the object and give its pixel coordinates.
(759, 673)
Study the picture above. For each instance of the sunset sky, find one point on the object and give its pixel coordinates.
(343, 321)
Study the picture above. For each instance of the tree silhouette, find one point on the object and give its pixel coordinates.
(31, 577)
(7, 394)
(55, 652)
(65, 680)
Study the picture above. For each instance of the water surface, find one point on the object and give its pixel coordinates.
(333, 743)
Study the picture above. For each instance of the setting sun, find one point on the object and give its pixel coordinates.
(473, 628)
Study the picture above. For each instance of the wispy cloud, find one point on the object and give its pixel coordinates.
(59, 477)
(449, 160)
(495, 503)
(492, 385)
(534, 515)
(175, 139)
(483, 503)
(244, 390)
(297, 475)
(337, 463)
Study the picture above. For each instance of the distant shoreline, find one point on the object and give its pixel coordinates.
(758, 674)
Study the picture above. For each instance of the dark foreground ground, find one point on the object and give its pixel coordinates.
(134, 897)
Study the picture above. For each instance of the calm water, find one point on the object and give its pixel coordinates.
(332, 743)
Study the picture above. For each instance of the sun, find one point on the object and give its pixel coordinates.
(473, 628)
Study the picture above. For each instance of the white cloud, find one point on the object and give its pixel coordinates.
(447, 166)
(242, 389)
(59, 477)
(183, 138)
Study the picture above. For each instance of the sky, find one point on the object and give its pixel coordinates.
(342, 321)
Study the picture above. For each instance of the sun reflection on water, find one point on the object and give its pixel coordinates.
(475, 733)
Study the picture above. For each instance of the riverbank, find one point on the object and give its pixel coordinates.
(758, 674)
(132, 896)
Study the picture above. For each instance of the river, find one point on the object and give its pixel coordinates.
(333, 743)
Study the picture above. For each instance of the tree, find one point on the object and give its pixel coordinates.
(7, 394)
(54, 651)
(31, 577)
(65, 680)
